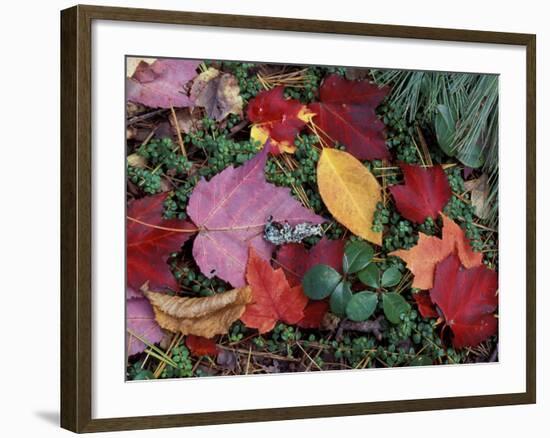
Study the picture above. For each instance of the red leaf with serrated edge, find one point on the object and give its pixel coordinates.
(346, 114)
(425, 192)
(201, 346)
(425, 305)
(296, 260)
(276, 118)
(314, 313)
(422, 258)
(149, 242)
(232, 210)
(162, 84)
(272, 297)
(467, 299)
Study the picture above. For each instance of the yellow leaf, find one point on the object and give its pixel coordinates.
(349, 191)
(260, 134)
(208, 316)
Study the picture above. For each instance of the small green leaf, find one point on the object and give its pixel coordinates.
(361, 306)
(357, 256)
(391, 277)
(420, 361)
(370, 276)
(394, 305)
(320, 281)
(340, 298)
(445, 128)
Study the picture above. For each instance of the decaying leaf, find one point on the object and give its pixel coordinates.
(350, 192)
(430, 250)
(162, 84)
(425, 305)
(468, 298)
(136, 160)
(272, 297)
(201, 346)
(346, 114)
(232, 210)
(277, 119)
(218, 93)
(205, 316)
(140, 320)
(479, 194)
(425, 192)
(314, 313)
(132, 63)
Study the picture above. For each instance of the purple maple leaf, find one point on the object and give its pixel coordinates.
(162, 84)
(231, 211)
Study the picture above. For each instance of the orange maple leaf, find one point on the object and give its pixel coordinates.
(272, 297)
(430, 250)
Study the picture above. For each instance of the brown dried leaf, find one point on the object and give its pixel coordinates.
(208, 316)
(479, 189)
(218, 93)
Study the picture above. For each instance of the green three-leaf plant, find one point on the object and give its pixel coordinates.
(323, 281)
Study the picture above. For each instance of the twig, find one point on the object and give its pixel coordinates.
(178, 132)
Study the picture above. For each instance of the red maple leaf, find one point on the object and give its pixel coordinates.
(314, 313)
(296, 260)
(346, 114)
(425, 305)
(277, 118)
(425, 192)
(150, 239)
(422, 258)
(201, 346)
(272, 297)
(467, 299)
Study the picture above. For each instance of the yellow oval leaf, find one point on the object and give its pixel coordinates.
(350, 192)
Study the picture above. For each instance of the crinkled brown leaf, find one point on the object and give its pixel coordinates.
(208, 316)
(218, 93)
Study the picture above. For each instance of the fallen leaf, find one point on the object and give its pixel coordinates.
(162, 84)
(314, 313)
(150, 239)
(350, 192)
(188, 121)
(425, 192)
(277, 119)
(467, 299)
(346, 114)
(136, 160)
(272, 297)
(218, 93)
(205, 316)
(132, 64)
(140, 320)
(422, 258)
(479, 194)
(201, 346)
(296, 260)
(231, 211)
(425, 305)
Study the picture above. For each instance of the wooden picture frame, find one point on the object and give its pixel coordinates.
(76, 217)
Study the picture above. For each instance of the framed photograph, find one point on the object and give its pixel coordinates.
(268, 219)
